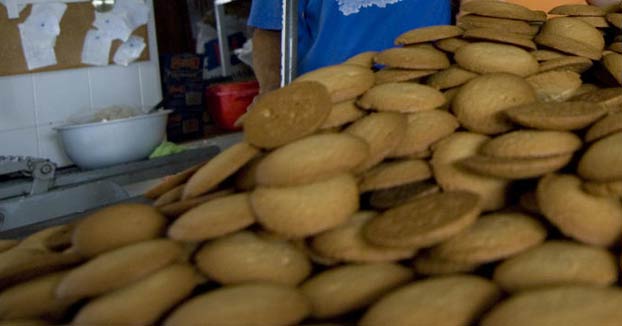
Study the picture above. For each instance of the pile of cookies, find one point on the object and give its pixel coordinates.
(474, 179)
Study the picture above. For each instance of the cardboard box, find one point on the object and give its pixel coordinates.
(186, 124)
(182, 80)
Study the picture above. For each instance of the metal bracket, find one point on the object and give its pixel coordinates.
(289, 42)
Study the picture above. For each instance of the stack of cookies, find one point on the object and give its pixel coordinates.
(470, 175)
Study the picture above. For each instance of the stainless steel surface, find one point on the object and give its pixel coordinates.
(289, 42)
(40, 170)
(223, 42)
(101, 144)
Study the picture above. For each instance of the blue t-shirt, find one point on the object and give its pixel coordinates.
(331, 31)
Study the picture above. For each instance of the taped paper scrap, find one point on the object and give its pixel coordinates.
(129, 51)
(96, 49)
(38, 34)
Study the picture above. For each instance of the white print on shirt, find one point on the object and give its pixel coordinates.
(348, 7)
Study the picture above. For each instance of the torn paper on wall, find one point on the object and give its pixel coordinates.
(129, 51)
(96, 49)
(13, 9)
(114, 26)
(38, 34)
(136, 12)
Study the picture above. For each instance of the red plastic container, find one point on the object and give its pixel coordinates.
(227, 102)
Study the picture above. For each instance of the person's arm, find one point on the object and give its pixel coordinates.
(267, 58)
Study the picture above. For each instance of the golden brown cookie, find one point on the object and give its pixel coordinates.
(343, 113)
(363, 59)
(499, 36)
(502, 10)
(178, 208)
(305, 210)
(545, 55)
(213, 219)
(598, 22)
(402, 97)
(314, 158)
(341, 290)
(613, 63)
(609, 98)
(603, 189)
(343, 82)
(492, 237)
(424, 221)
(413, 58)
(170, 196)
(425, 264)
(556, 263)
(608, 125)
(515, 168)
(577, 10)
(601, 162)
(586, 88)
(395, 196)
(615, 19)
(346, 243)
(171, 182)
(394, 75)
(531, 144)
(616, 47)
(486, 57)
(428, 34)
(570, 35)
(7, 244)
(289, 113)
(566, 205)
(555, 86)
(450, 300)
(423, 130)
(556, 116)
(568, 63)
(394, 173)
(451, 77)
(218, 169)
(451, 45)
(508, 25)
(479, 105)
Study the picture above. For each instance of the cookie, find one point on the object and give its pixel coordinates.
(178, 208)
(492, 237)
(532, 144)
(395, 173)
(363, 59)
(116, 226)
(479, 105)
(428, 34)
(219, 168)
(314, 158)
(585, 88)
(616, 47)
(289, 113)
(613, 63)
(486, 57)
(344, 289)
(565, 204)
(461, 298)
(508, 25)
(608, 125)
(515, 168)
(401, 97)
(451, 176)
(555, 86)
(346, 243)
(7, 244)
(451, 77)
(425, 264)
(170, 196)
(502, 10)
(394, 75)
(413, 58)
(395, 196)
(557, 263)
(450, 45)
(570, 35)
(499, 36)
(424, 221)
(343, 113)
(248, 257)
(578, 10)
(306, 210)
(615, 19)
(603, 189)
(598, 22)
(545, 55)
(556, 116)
(171, 182)
(424, 129)
(568, 63)
(609, 98)
(213, 219)
(601, 162)
(343, 82)
(259, 303)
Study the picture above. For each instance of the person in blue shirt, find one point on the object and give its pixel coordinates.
(331, 31)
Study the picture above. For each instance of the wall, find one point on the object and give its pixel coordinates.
(32, 105)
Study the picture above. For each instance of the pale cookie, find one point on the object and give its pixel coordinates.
(545, 55)
(427, 265)
(450, 94)
(395, 196)
(586, 88)
(566, 305)
(566, 205)
(502, 10)
(346, 243)
(555, 86)
(568, 63)
(616, 47)
(394, 173)
(343, 82)
(556, 116)
(492, 237)
(609, 98)
(570, 35)
(423, 130)
(485, 57)
(383, 132)
(452, 77)
(604, 189)
(480, 104)
(219, 168)
(170, 196)
(613, 63)
(598, 22)
(343, 113)
(402, 97)
(245, 177)
(213, 219)
(556, 263)
(413, 58)
(143, 302)
(314, 158)
(424, 221)
(531, 144)
(441, 301)
(515, 168)
(344, 289)
(306, 210)
(451, 176)
(608, 125)
(116, 226)
(499, 36)
(118, 268)
(428, 34)
(451, 45)
(603, 160)
(178, 208)
(171, 182)
(286, 114)
(569, 45)
(363, 59)
(394, 75)
(314, 256)
(508, 25)
(577, 10)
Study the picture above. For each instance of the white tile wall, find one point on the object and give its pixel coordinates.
(32, 105)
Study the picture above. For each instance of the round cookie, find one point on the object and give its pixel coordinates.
(451, 45)
(608, 125)
(570, 35)
(171, 182)
(413, 58)
(461, 299)
(499, 36)
(343, 82)
(314, 158)
(545, 55)
(586, 88)
(424, 129)
(479, 105)
(247, 257)
(515, 168)
(556, 116)
(598, 22)
(492, 237)
(531, 144)
(402, 97)
(578, 10)
(601, 162)
(394, 75)
(451, 77)
(395, 173)
(565, 204)
(509, 25)
(387, 198)
(343, 113)
(502, 10)
(486, 57)
(603, 189)
(425, 264)
(613, 63)
(615, 19)
(428, 34)
(555, 86)
(306, 210)
(346, 243)
(616, 47)
(178, 208)
(341, 290)
(170, 196)
(609, 98)
(556, 263)
(568, 63)
(363, 59)
(424, 221)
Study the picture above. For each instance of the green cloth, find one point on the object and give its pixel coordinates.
(166, 148)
